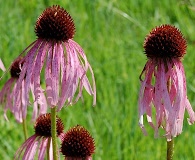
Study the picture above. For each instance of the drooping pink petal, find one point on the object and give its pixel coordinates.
(75, 75)
(6, 96)
(55, 74)
(51, 150)
(146, 96)
(2, 65)
(61, 52)
(94, 85)
(42, 148)
(17, 88)
(17, 103)
(39, 104)
(48, 78)
(26, 73)
(68, 78)
(179, 103)
(30, 68)
(80, 52)
(24, 101)
(188, 106)
(25, 145)
(52, 75)
(191, 113)
(31, 150)
(37, 70)
(85, 67)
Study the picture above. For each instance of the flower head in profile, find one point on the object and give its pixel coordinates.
(2, 67)
(41, 141)
(13, 99)
(163, 82)
(77, 144)
(58, 58)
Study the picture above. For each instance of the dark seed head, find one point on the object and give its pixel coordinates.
(43, 125)
(55, 23)
(77, 143)
(166, 42)
(16, 67)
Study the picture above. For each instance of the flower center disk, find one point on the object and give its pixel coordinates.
(166, 42)
(43, 125)
(55, 23)
(77, 143)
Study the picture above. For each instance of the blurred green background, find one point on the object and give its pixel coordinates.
(112, 33)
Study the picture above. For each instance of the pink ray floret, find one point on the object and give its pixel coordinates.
(2, 67)
(170, 103)
(65, 71)
(34, 145)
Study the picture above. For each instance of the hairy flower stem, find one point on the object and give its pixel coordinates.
(53, 132)
(24, 129)
(170, 148)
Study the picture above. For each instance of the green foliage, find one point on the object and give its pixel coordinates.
(112, 33)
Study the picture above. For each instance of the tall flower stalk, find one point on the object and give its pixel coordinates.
(53, 132)
(170, 149)
(163, 83)
(60, 60)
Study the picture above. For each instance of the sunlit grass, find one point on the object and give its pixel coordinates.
(112, 34)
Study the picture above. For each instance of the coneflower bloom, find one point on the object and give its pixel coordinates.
(64, 61)
(2, 67)
(8, 96)
(77, 144)
(163, 82)
(41, 141)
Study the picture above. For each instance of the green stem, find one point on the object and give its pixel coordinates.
(24, 129)
(53, 132)
(170, 148)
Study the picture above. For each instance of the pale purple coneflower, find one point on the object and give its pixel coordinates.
(8, 97)
(2, 67)
(164, 84)
(36, 146)
(77, 144)
(62, 60)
